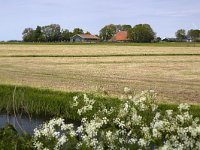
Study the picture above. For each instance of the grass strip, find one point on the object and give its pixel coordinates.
(160, 44)
(45, 102)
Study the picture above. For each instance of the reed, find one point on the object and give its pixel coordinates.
(43, 102)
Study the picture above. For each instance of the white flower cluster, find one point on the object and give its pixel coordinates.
(87, 104)
(55, 132)
(136, 124)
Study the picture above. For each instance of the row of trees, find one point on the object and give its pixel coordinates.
(49, 33)
(54, 33)
(138, 33)
(193, 35)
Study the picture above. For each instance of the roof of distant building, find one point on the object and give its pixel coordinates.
(120, 36)
(88, 36)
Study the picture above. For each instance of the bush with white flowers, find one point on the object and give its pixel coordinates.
(135, 124)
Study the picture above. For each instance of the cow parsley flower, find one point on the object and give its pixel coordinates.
(183, 107)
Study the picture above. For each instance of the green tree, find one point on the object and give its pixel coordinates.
(194, 35)
(126, 27)
(88, 33)
(141, 33)
(77, 31)
(65, 35)
(28, 35)
(38, 35)
(107, 32)
(180, 34)
(52, 32)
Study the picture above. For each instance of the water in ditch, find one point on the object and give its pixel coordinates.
(22, 124)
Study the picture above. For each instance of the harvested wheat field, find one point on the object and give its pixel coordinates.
(173, 72)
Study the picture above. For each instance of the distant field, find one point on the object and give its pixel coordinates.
(160, 44)
(174, 72)
(88, 50)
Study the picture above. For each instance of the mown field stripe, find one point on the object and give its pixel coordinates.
(104, 55)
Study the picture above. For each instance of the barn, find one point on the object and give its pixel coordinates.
(87, 38)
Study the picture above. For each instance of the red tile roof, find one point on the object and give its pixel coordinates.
(120, 36)
(88, 36)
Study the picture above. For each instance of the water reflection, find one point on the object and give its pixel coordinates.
(21, 123)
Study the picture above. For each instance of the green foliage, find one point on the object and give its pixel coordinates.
(107, 32)
(42, 102)
(51, 32)
(180, 35)
(55, 103)
(11, 140)
(65, 35)
(28, 35)
(194, 35)
(77, 31)
(88, 33)
(126, 27)
(38, 35)
(141, 33)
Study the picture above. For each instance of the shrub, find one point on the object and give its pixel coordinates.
(136, 124)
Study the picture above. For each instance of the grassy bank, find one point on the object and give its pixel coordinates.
(55, 103)
(42, 102)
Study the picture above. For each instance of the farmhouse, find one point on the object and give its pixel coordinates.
(88, 38)
(121, 36)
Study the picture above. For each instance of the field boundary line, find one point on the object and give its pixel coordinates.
(108, 55)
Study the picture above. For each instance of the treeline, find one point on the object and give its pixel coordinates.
(49, 33)
(54, 33)
(141, 33)
(192, 35)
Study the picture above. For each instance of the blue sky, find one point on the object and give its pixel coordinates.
(165, 16)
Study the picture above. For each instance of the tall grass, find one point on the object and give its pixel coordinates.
(41, 102)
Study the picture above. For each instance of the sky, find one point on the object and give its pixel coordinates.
(164, 16)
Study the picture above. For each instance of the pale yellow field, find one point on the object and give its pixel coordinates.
(7, 50)
(174, 78)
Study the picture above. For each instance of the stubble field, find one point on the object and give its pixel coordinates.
(173, 72)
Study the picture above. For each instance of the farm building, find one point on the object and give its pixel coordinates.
(121, 36)
(88, 38)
